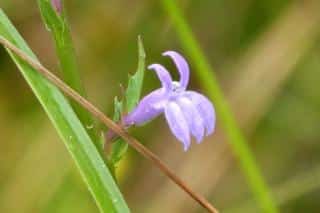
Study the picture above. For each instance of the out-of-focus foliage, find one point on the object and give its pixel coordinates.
(266, 55)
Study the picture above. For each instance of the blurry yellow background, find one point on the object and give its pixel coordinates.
(267, 58)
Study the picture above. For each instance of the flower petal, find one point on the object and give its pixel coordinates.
(163, 75)
(205, 108)
(148, 108)
(193, 118)
(177, 123)
(57, 5)
(182, 67)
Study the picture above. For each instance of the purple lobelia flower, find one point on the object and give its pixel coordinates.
(187, 112)
(57, 5)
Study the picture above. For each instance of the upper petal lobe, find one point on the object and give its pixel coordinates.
(163, 76)
(182, 67)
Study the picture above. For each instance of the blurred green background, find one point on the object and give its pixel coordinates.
(267, 57)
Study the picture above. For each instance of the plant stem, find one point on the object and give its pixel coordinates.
(58, 27)
(110, 124)
(206, 76)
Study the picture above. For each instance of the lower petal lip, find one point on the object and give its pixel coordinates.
(177, 123)
(205, 108)
(193, 118)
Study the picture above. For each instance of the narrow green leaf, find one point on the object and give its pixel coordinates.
(89, 162)
(57, 25)
(118, 109)
(119, 147)
(133, 91)
(133, 94)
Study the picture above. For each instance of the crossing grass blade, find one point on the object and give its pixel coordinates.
(90, 164)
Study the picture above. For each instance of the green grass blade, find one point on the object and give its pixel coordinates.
(69, 127)
(206, 76)
(133, 93)
(57, 25)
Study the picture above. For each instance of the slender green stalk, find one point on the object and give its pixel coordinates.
(291, 189)
(206, 76)
(88, 160)
(58, 26)
(132, 96)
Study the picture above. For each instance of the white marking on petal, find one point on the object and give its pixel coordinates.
(177, 123)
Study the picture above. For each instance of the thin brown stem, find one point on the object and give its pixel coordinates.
(134, 143)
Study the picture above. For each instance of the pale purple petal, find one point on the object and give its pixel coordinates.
(148, 108)
(182, 67)
(187, 112)
(177, 123)
(57, 5)
(163, 75)
(193, 118)
(205, 108)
